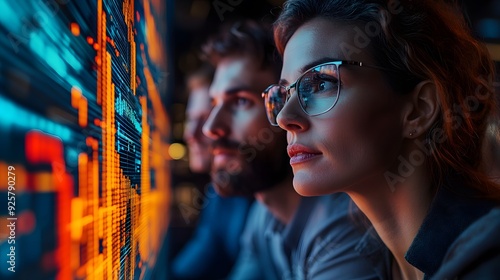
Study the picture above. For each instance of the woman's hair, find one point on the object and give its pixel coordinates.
(421, 40)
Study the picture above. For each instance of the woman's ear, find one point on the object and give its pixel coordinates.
(422, 110)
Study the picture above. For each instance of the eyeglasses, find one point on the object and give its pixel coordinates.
(317, 89)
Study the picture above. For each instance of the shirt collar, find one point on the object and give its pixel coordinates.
(291, 232)
(374, 250)
(450, 213)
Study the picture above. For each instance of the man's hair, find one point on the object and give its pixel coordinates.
(245, 38)
(202, 76)
(420, 40)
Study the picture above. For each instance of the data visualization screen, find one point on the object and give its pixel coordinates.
(84, 177)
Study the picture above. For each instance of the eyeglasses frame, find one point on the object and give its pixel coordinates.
(338, 63)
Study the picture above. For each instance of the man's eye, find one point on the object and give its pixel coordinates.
(241, 101)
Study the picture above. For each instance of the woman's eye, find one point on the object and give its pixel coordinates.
(318, 84)
(326, 83)
(322, 86)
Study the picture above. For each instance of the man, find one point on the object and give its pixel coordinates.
(212, 251)
(197, 111)
(286, 236)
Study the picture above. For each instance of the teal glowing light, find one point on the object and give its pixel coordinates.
(14, 115)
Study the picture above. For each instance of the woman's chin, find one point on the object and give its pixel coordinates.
(307, 186)
(307, 189)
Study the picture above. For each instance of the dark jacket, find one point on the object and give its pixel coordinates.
(459, 238)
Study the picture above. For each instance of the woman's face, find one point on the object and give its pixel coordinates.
(353, 144)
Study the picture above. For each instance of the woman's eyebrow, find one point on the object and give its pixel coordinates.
(310, 65)
(317, 62)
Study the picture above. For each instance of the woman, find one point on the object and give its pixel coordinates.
(388, 101)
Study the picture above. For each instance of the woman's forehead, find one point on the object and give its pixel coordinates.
(319, 39)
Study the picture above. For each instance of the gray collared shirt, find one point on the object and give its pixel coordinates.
(322, 242)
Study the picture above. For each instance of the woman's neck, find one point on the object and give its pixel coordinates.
(396, 214)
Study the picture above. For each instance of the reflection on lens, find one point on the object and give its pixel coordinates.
(275, 101)
(318, 89)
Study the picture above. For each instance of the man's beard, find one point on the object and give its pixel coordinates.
(247, 175)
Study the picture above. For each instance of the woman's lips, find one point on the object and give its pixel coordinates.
(299, 153)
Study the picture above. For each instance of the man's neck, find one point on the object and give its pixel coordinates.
(281, 200)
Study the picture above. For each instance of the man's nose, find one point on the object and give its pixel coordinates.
(216, 126)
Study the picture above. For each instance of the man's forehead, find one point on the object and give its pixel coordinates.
(198, 99)
(233, 73)
(240, 73)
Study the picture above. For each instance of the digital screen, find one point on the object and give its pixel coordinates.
(84, 176)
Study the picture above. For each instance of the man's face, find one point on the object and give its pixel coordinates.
(249, 154)
(198, 109)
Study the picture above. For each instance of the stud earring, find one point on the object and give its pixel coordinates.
(413, 132)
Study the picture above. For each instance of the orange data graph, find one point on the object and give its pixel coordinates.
(84, 158)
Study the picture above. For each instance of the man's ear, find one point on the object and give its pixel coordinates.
(422, 110)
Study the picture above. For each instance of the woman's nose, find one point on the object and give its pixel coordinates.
(292, 117)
